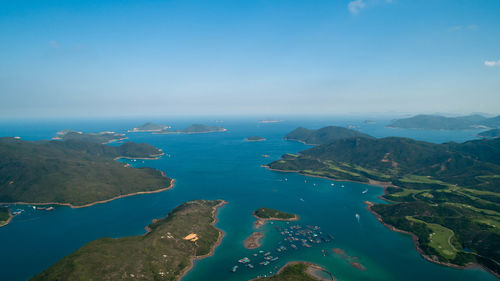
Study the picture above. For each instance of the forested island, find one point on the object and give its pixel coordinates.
(490, 134)
(73, 172)
(149, 127)
(195, 129)
(255, 138)
(437, 122)
(323, 135)
(272, 214)
(297, 271)
(165, 252)
(102, 137)
(447, 195)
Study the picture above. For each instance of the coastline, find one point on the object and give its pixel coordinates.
(217, 243)
(384, 185)
(172, 182)
(152, 157)
(296, 218)
(253, 241)
(8, 220)
(416, 243)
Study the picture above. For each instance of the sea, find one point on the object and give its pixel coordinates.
(225, 166)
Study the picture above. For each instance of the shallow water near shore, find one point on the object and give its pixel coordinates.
(225, 166)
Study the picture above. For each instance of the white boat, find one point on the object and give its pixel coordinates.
(357, 217)
(365, 191)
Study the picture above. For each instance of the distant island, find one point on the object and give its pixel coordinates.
(194, 129)
(102, 137)
(255, 138)
(437, 122)
(74, 173)
(149, 127)
(446, 195)
(323, 135)
(270, 121)
(166, 252)
(298, 271)
(490, 134)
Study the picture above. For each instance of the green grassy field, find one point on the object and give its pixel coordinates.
(162, 254)
(440, 239)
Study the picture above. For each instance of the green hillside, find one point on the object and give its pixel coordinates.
(445, 192)
(73, 172)
(103, 137)
(437, 122)
(291, 272)
(493, 133)
(164, 253)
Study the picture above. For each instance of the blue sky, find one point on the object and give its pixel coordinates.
(263, 57)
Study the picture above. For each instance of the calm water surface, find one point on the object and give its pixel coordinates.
(225, 166)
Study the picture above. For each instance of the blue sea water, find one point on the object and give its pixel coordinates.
(225, 166)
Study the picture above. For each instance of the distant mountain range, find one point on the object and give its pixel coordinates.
(323, 135)
(437, 122)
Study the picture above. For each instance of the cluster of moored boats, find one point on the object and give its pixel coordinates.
(294, 236)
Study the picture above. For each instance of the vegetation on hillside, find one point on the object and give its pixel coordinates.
(323, 135)
(149, 127)
(268, 213)
(4, 215)
(255, 138)
(164, 253)
(447, 194)
(73, 172)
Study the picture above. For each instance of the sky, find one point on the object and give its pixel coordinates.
(248, 57)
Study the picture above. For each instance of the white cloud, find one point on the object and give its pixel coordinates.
(355, 6)
(492, 63)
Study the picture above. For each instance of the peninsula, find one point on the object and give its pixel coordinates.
(437, 122)
(295, 271)
(323, 135)
(255, 138)
(74, 173)
(149, 127)
(447, 195)
(5, 216)
(165, 252)
(490, 134)
(102, 137)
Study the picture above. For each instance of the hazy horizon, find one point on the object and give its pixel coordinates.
(253, 58)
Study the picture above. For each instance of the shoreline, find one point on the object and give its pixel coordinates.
(416, 244)
(8, 220)
(217, 243)
(384, 185)
(172, 182)
(152, 157)
(296, 218)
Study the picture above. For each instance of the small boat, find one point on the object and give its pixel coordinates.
(244, 260)
(267, 254)
(301, 199)
(365, 191)
(342, 186)
(274, 259)
(250, 265)
(234, 268)
(357, 217)
(332, 184)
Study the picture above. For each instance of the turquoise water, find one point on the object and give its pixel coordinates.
(225, 166)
